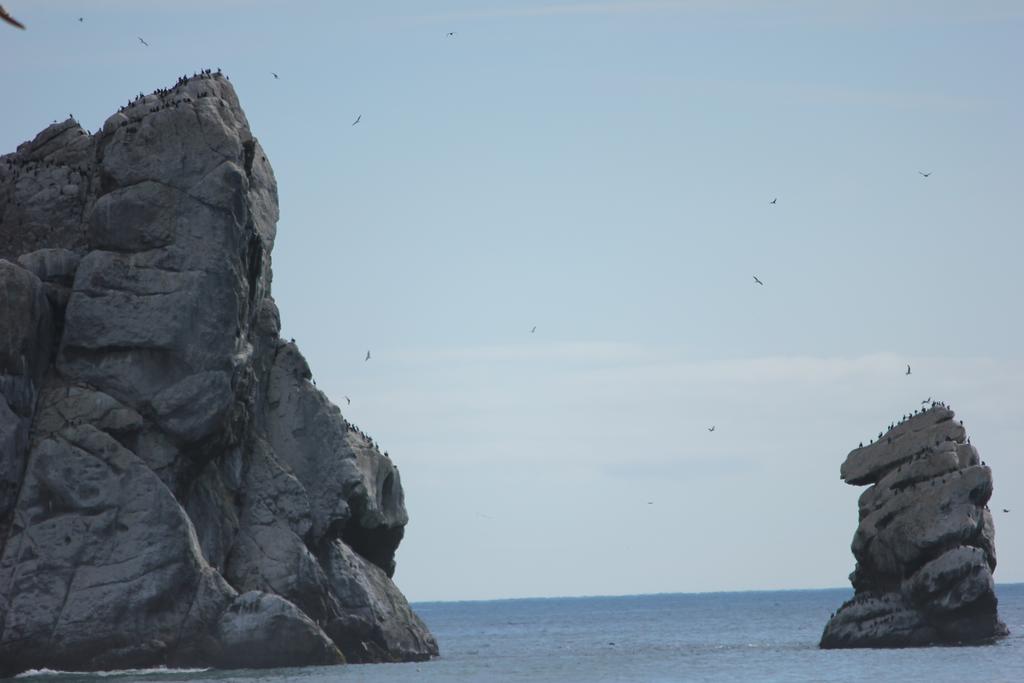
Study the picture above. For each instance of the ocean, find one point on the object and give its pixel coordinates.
(747, 636)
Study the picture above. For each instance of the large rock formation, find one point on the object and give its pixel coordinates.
(925, 545)
(173, 488)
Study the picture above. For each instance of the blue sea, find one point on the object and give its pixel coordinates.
(749, 636)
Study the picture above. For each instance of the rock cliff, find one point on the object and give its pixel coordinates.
(173, 488)
(925, 544)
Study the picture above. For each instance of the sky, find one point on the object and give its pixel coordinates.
(603, 170)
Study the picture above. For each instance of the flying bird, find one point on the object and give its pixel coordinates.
(927, 400)
(451, 34)
(80, 19)
(358, 118)
(908, 370)
(273, 74)
(711, 428)
(650, 502)
(534, 329)
(774, 200)
(1005, 510)
(143, 42)
(758, 281)
(925, 175)
(348, 401)
(9, 19)
(367, 355)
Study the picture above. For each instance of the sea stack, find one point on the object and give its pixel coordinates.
(925, 544)
(174, 490)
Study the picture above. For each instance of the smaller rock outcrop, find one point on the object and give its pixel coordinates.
(925, 545)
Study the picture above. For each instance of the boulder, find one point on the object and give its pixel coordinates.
(258, 630)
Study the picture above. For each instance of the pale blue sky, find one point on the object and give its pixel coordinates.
(602, 170)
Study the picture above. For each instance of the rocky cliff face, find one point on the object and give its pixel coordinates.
(925, 545)
(173, 488)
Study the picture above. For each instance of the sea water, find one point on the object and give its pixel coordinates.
(750, 636)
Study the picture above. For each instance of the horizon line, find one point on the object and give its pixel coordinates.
(659, 593)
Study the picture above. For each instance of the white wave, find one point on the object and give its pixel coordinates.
(119, 672)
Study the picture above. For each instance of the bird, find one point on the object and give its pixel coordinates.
(451, 34)
(81, 19)
(1005, 510)
(274, 74)
(908, 370)
(348, 401)
(711, 428)
(650, 502)
(367, 355)
(533, 330)
(143, 42)
(774, 200)
(9, 19)
(925, 175)
(758, 281)
(927, 400)
(358, 118)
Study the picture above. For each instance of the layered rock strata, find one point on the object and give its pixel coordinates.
(173, 488)
(925, 544)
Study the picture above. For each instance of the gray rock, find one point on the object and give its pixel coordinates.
(373, 622)
(26, 342)
(878, 620)
(899, 445)
(45, 189)
(26, 333)
(924, 468)
(259, 630)
(162, 450)
(355, 492)
(925, 544)
(194, 407)
(956, 580)
(51, 265)
(100, 557)
(13, 441)
(942, 512)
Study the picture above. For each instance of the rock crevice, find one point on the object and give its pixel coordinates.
(173, 488)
